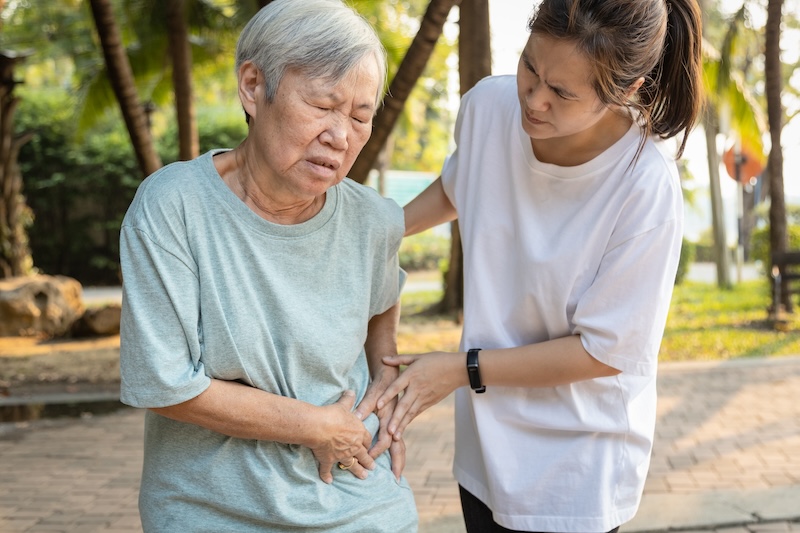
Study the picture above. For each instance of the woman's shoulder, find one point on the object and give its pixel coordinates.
(171, 187)
(493, 85)
(493, 98)
(366, 200)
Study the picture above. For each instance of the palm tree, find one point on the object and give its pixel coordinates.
(122, 81)
(774, 81)
(403, 82)
(15, 254)
(181, 55)
(727, 95)
(475, 63)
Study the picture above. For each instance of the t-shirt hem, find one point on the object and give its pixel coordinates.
(154, 401)
(623, 364)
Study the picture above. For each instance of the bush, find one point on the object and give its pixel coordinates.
(80, 189)
(685, 261)
(424, 251)
(760, 247)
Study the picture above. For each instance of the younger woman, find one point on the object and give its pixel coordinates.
(570, 211)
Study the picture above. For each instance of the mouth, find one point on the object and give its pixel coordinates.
(533, 120)
(325, 162)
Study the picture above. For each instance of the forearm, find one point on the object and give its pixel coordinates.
(545, 364)
(245, 412)
(430, 208)
(382, 339)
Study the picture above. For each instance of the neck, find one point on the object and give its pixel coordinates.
(281, 211)
(262, 196)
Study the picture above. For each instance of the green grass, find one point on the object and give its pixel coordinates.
(704, 323)
(708, 323)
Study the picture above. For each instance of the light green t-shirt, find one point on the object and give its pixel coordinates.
(211, 290)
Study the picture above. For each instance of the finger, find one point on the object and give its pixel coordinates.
(396, 421)
(347, 400)
(325, 472)
(397, 451)
(397, 427)
(382, 444)
(391, 392)
(367, 403)
(364, 461)
(398, 360)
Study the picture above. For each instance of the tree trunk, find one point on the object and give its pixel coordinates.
(181, 55)
(408, 73)
(721, 255)
(15, 254)
(122, 81)
(475, 63)
(774, 81)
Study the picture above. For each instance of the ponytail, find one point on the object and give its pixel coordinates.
(678, 95)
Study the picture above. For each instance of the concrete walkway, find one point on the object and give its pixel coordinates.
(726, 459)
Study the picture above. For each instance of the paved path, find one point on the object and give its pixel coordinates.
(726, 459)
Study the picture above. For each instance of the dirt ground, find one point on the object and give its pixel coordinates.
(29, 365)
(29, 362)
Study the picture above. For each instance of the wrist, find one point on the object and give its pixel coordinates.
(474, 371)
(385, 372)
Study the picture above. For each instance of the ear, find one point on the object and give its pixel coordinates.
(634, 88)
(249, 87)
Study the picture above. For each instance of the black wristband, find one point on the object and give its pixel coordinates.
(474, 371)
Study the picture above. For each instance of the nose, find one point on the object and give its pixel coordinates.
(336, 134)
(536, 97)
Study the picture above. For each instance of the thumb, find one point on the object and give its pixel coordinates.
(398, 360)
(347, 400)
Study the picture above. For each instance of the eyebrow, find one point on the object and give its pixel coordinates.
(560, 90)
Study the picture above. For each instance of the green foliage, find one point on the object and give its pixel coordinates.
(424, 251)
(687, 258)
(79, 191)
(760, 247)
(217, 127)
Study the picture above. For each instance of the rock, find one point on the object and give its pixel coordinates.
(39, 305)
(98, 322)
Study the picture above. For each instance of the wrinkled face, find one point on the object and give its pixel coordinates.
(555, 92)
(311, 133)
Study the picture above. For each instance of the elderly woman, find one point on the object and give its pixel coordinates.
(260, 293)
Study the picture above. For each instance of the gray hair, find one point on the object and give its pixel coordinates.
(319, 38)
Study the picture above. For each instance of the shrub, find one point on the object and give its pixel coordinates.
(79, 190)
(687, 258)
(424, 251)
(760, 247)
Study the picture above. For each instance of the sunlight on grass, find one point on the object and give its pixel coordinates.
(708, 323)
(704, 323)
(420, 332)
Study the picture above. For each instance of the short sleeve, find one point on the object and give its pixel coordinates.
(160, 340)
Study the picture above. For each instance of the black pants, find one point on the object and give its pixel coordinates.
(478, 517)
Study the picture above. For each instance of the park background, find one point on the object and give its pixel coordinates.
(79, 171)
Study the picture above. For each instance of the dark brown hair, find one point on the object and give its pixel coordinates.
(624, 40)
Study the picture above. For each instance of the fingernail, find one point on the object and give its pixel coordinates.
(380, 404)
(399, 436)
(359, 415)
(392, 429)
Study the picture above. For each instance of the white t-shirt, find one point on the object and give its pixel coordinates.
(552, 251)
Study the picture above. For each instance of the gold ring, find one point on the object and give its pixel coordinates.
(347, 467)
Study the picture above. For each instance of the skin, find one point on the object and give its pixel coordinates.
(568, 125)
(298, 146)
